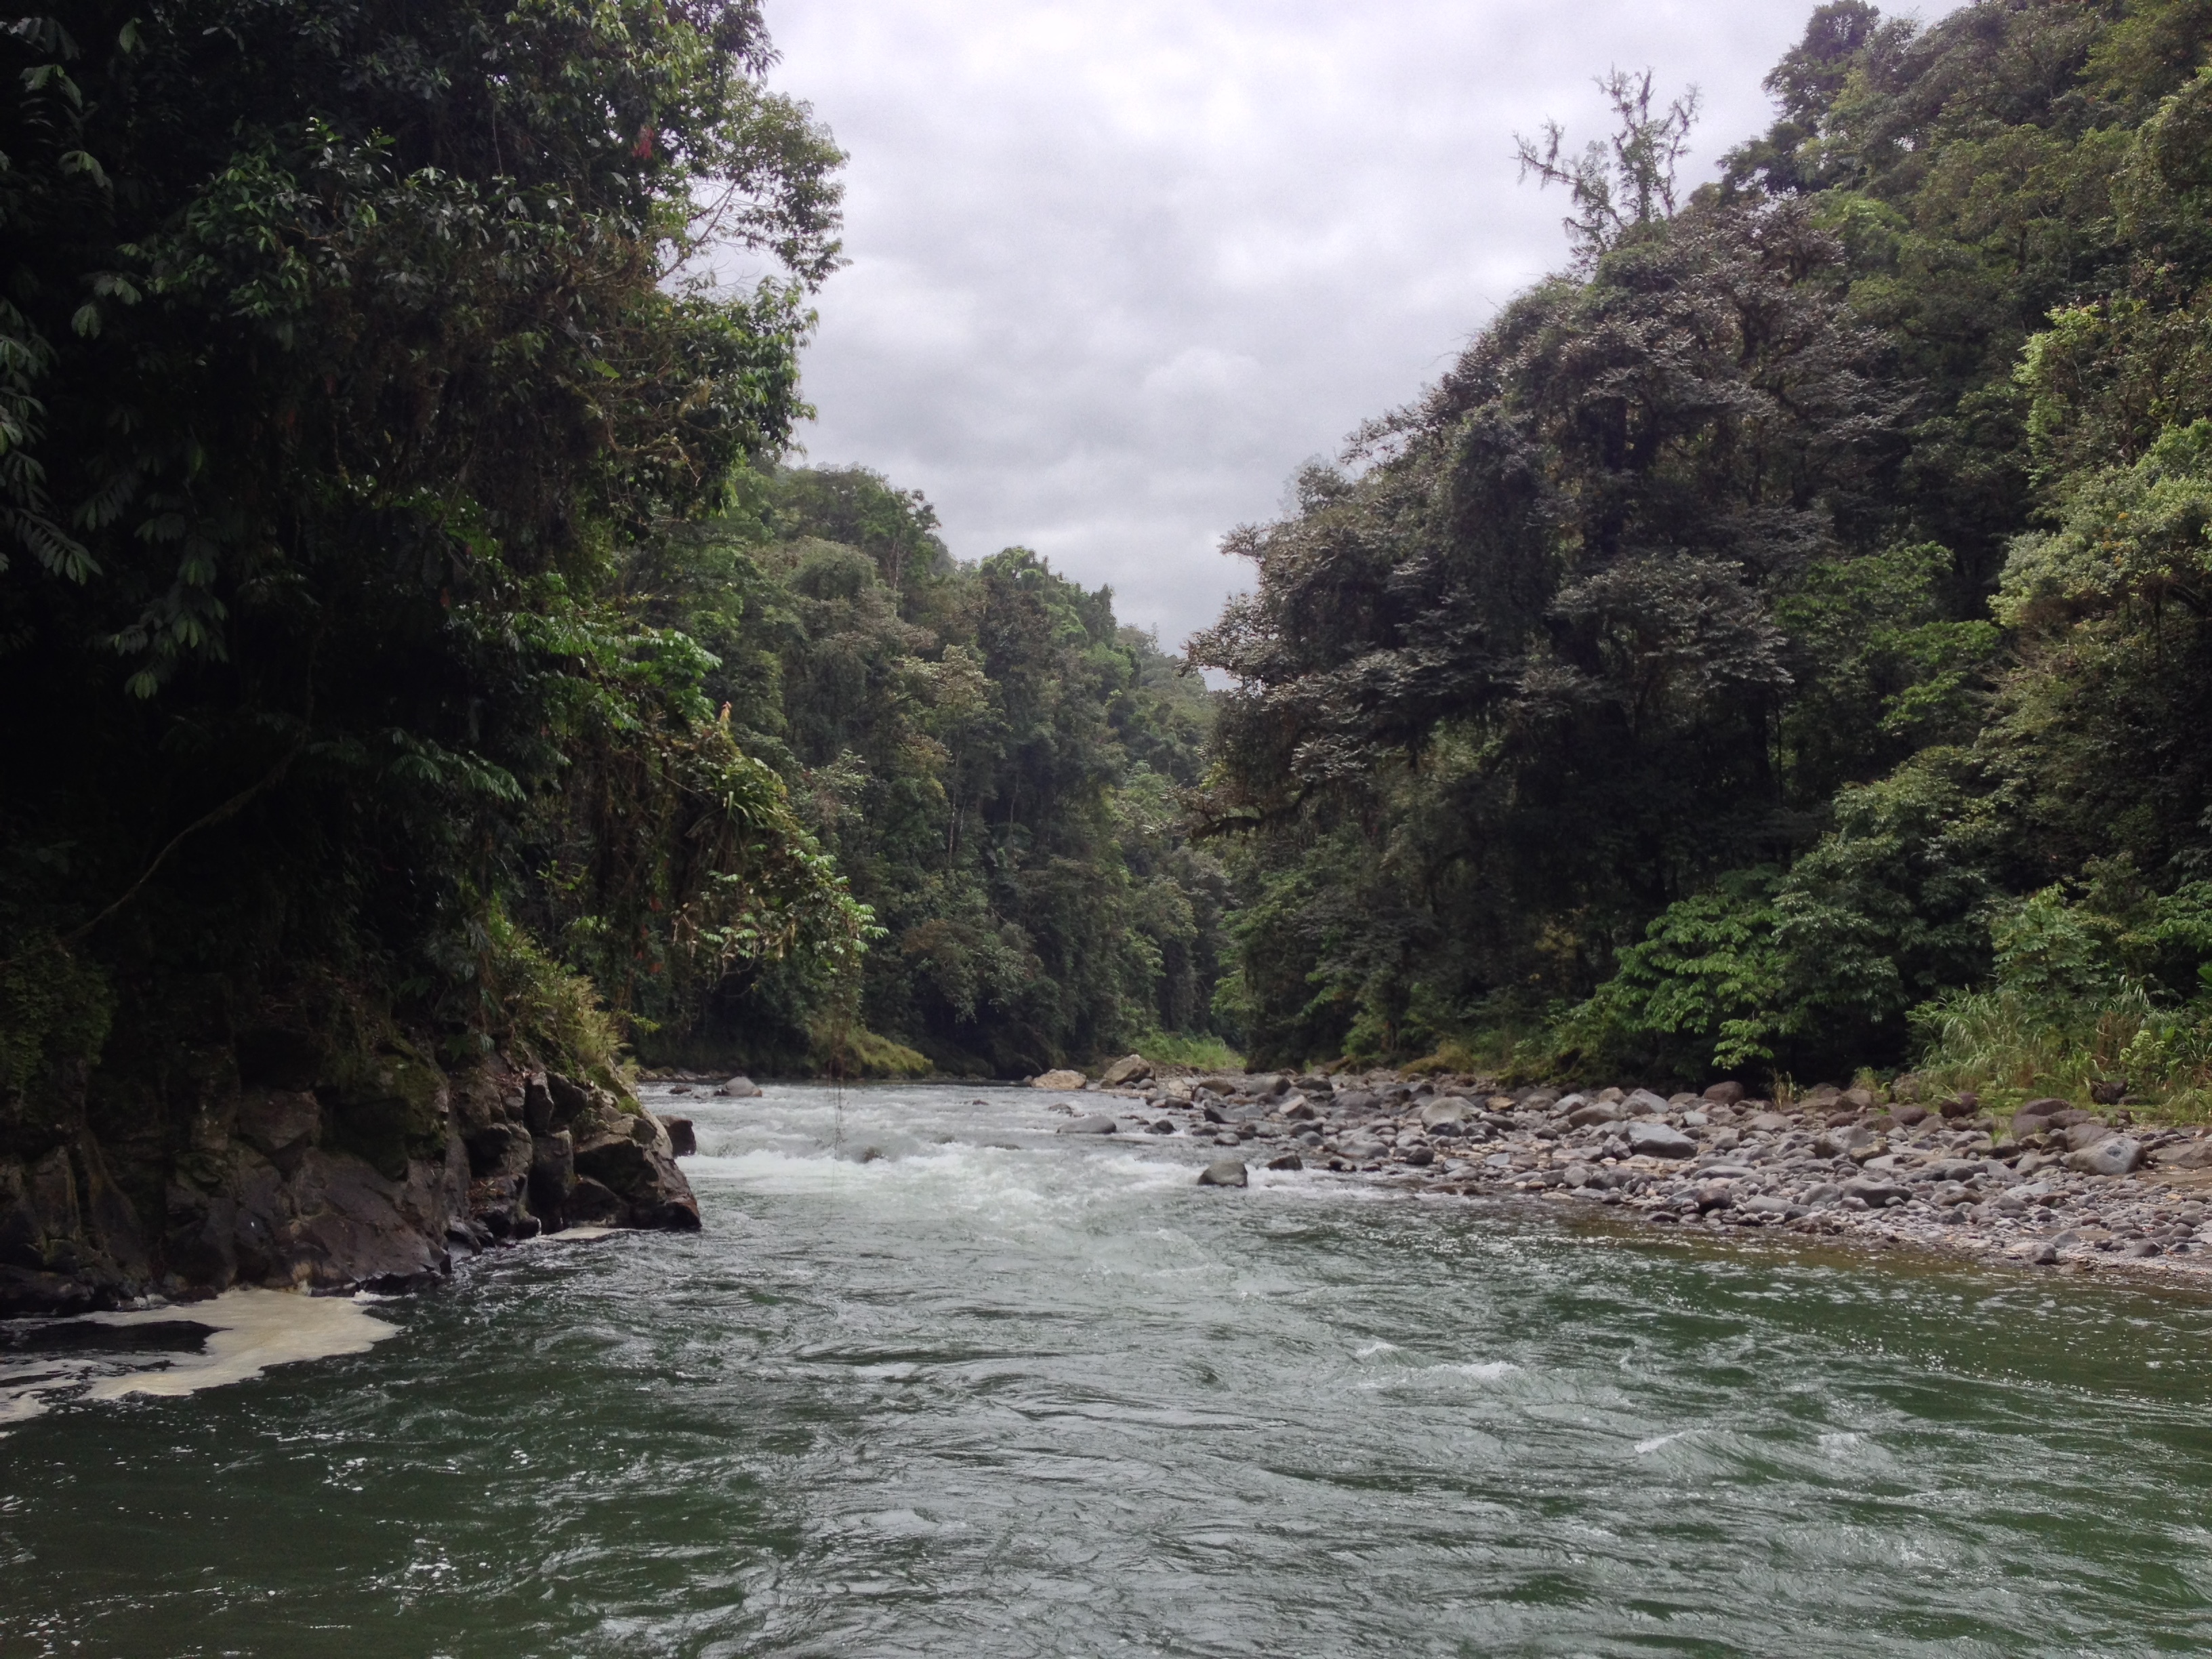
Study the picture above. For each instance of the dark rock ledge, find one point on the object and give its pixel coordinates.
(375, 1180)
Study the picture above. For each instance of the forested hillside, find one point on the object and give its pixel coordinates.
(996, 766)
(410, 644)
(1782, 642)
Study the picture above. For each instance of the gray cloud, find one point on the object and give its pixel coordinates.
(1118, 269)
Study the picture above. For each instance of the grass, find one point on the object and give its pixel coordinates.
(2009, 1048)
(1200, 1053)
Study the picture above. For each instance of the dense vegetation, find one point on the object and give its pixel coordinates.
(995, 766)
(409, 641)
(346, 357)
(1783, 641)
(1781, 644)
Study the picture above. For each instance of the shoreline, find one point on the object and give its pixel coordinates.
(1842, 1170)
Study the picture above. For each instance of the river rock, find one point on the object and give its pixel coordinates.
(2082, 1136)
(1595, 1111)
(1659, 1140)
(500, 1150)
(632, 1156)
(683, 1136)
(1768, 1123)
(2183, 1155)
(739, 1087)
(1644, 1103)
(1225, 1172)
(1097, 1124)
(1450, 1110)
(553, 1173)
(1160, 1126)
(1287, 1161)
(1059, 1079)
(1130, 1068)
(1725, 1093)
(1842, 1141)
(2114, 1155)
(1874, 1194)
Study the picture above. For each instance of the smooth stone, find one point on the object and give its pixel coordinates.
(1875, 1195)
(741, 1087)
(1287, 1161)
(1130, 1068)
(1660, 1140)
(1096, 1125)
(1644, 1103)
(1226, 1172)
(1160, 1127)
(2115, 1155)
(1060, 1079)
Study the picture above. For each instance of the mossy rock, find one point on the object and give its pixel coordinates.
(389, 1108)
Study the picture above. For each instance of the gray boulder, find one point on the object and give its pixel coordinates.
(1874, 1194)
(1595, 1111)
(2082, 1136)
(2115, 1155)
(1225, 1172)
(742, 1088)
(1287, 1161)
(1450, 1110)
(1098, 1124)
(1644, 1103)
(1659, 1140)
(1842, 1140)
(1130, 1068)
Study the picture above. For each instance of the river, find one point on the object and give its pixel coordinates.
(996, 1391)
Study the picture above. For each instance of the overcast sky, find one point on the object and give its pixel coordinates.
(1120, 266)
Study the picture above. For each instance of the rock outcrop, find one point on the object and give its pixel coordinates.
(286, 1171)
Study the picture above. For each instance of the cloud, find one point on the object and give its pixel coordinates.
(1117, 271)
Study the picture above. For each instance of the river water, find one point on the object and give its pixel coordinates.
(996, 1391)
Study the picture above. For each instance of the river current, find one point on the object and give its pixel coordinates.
(936, 1380)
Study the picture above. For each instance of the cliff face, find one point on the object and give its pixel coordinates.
(373, 1178)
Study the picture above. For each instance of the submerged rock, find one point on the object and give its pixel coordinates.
(1096, 1125)
(1225, 1172)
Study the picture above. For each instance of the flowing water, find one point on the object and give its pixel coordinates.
(998, 1392)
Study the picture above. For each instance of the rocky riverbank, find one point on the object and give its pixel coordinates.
(289, 1172)
(2050, 1185)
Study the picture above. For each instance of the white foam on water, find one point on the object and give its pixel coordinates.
(251, 1330)
(1488, 1371)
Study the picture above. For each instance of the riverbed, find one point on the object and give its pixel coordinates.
(937, 1380)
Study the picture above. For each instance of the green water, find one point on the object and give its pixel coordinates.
(1046, 1396)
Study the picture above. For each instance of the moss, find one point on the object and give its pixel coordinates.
(387, 1108)
(55, 1009)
